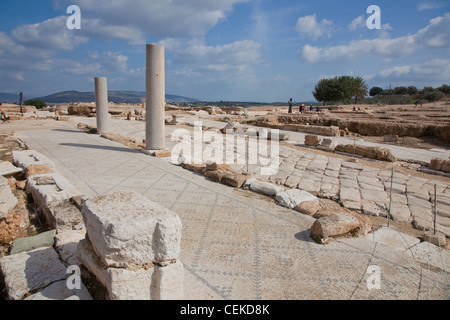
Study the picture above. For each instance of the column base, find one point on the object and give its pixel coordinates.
(157, 153)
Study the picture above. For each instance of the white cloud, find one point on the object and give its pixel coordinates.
(157, 18)
(435, 35)
(50, 34)
(309, 26)
(433, 71)
(431, 5)
(358, 23)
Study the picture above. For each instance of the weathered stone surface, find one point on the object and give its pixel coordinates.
(335, 225)
(31, 271)
(266, 188)
(400, 213)
(292, 198)
(33, 170)
(126, 229)
(26, 158)
(7, 169)
(63, 215)
(66, 244)
(215, 176)
(50, 188)
(235, 180)
(167, 282)
(45, 239)
(7, 199)
(59, 291)
(308, 207)
(311, 140)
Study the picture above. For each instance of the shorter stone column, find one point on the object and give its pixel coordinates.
(101, 105)
(132, 246)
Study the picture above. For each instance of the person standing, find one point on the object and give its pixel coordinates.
(290, 105)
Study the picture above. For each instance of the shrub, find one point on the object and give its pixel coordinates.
(39, 104)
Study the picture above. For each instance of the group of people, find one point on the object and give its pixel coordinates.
(301, 108)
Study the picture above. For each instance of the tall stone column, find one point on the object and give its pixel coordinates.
(101, 105)
(155, 98)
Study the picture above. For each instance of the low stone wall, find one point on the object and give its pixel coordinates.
(440, 165)
(378, 153)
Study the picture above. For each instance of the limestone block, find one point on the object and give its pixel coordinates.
(235, 180)
(50, 188)
(126, 229)
(335, 225)
(266, 188)
(167, 282)
(31, 271)
(308, 207)
(292, 198)
(26, 158)
(311, 140)
(7, 199)
(60, 291)
(8, 169)
(33, 170)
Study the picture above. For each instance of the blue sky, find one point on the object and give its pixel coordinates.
(252, 50)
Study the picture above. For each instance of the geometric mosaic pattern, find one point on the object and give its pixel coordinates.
(236, 243)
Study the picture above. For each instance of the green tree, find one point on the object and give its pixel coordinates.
(38, 103)
(359, 88)
(400, 90)
(374, 91)
(412, 90)
(327, 90)
(444, 89)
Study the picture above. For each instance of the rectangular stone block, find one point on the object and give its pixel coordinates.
(127, 229)
(7, 199)
(26, 158)
(31, 271)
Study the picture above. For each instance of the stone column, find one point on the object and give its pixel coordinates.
(101, 105)
(155, 98)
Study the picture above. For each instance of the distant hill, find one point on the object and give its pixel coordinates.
(9, 97)
(113, 96)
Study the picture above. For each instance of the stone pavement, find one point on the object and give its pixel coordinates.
(237, 244)
(355, 187)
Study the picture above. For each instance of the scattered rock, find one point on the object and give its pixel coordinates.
(266, 188)
(339, 225)
(312, 141)
(308, 207)
(292, 198)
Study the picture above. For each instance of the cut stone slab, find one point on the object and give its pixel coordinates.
(7, 169)
(7, 199)
(31, 271)
(266, 188)
(45, 239)
(393, 238)
(127, 229)
(26, 158)
(235, 180)
(50, 188)
(59, 291)
(292, 198)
